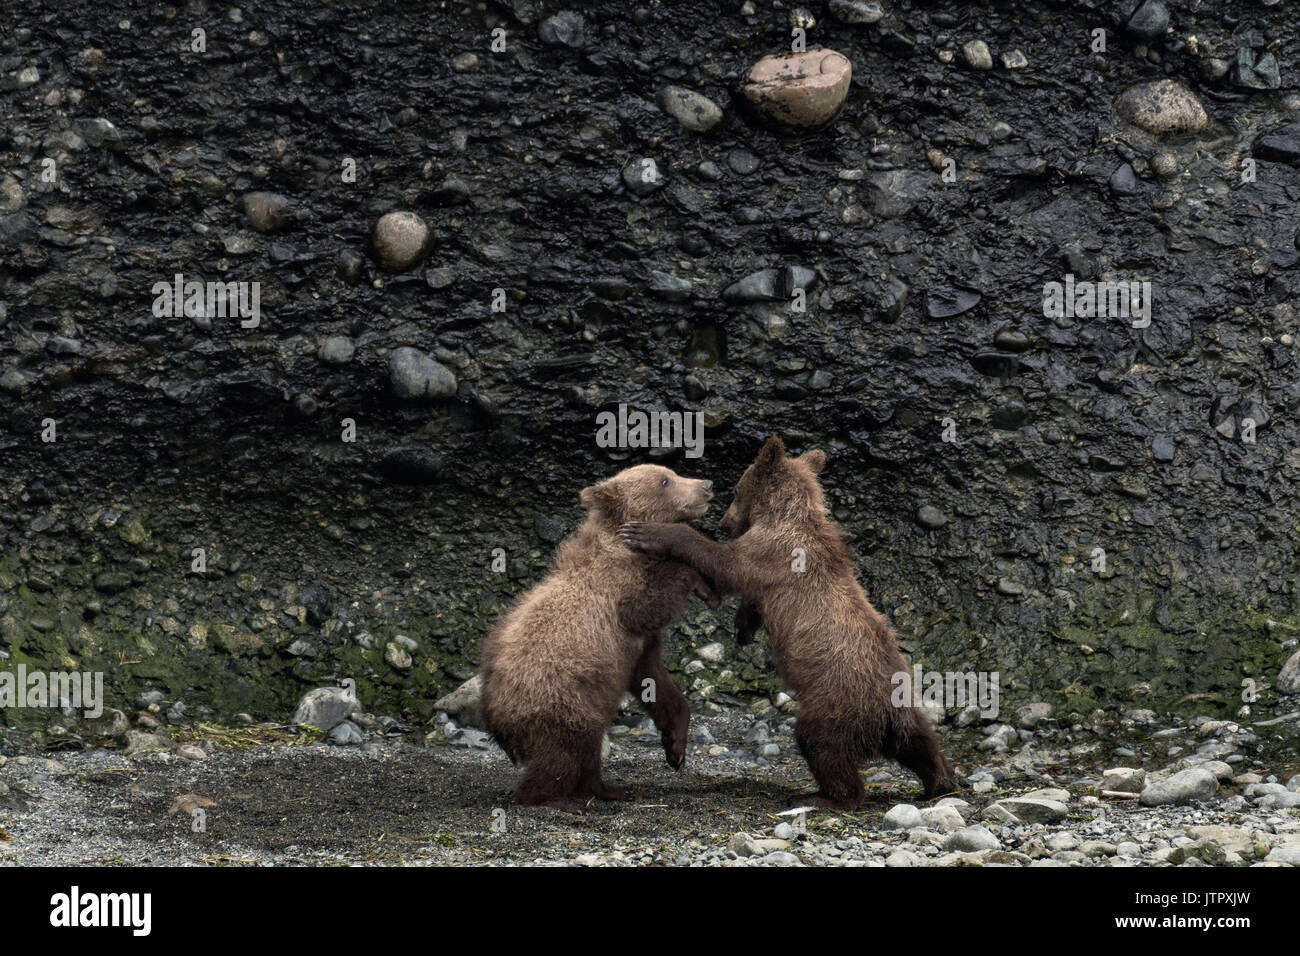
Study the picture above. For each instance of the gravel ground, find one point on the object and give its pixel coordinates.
(391, 801)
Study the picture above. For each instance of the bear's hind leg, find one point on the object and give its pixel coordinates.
(829, 752)
(589, 758)
(553, 775)
(917, 748)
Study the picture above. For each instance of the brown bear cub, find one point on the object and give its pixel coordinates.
(829, 644)
(556, 665)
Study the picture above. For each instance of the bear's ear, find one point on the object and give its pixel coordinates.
(603, 498)
(815, 459)
(773, 451)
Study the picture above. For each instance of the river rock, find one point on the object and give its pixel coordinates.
(463, 703)
(971, 839)
(346, 734)
(798, 90)
(977, 56)
(268, 212)
(695, 111)
(414, 375)
(566, 28)
(1033, 809)
(1162, 108)
(642, 176)
(1124, 779)
(857, 11)
(327, 707)
(904, 816)
(401, 238)
(336, 350)
(944, 819)
(1186, 786)
(1288, 678)
(1149, 20)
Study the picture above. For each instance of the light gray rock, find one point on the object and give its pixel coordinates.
(971, 839)
(695, 111)
(467, 738)
(905, 858)
(1288, 678)
(781, 858)
(904, 816)
(414, 375)
(943, 819)
(1048, 793)
(566, 28)
(336, 350)
(958, 804)
(1124, 779)
(977, 56)
(742, 844)
(463, 703)
(713, 653)
(1238, 839)
(1062, 841)
(999, 814)
(327, 707)
(1279, 801)
(1033, 809)
(1186, 786)
(346, 734)
(857, 11)
(1030, 715)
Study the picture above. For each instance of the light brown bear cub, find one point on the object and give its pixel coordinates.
(829, 644)
(556, 665)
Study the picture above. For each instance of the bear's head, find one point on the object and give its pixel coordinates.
(647, 493)
(776, 488)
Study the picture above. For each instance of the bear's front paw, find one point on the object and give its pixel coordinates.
(643, 537)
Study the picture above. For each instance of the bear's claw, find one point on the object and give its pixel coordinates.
(635, 535)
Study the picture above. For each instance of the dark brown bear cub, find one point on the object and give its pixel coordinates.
(556, 665)
(829, 644)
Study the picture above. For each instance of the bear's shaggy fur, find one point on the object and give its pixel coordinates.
(556, 665)
(829, 644)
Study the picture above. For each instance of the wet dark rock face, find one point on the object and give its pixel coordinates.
(241, 503)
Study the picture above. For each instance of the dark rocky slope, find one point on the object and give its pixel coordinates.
(1072, 433)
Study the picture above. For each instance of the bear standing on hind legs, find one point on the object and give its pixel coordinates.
(829, 644)
(556, 665)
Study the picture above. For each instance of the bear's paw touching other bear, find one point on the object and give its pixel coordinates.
(557, 663)
(828, 643)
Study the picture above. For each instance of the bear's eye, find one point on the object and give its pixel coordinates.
(664, 483)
